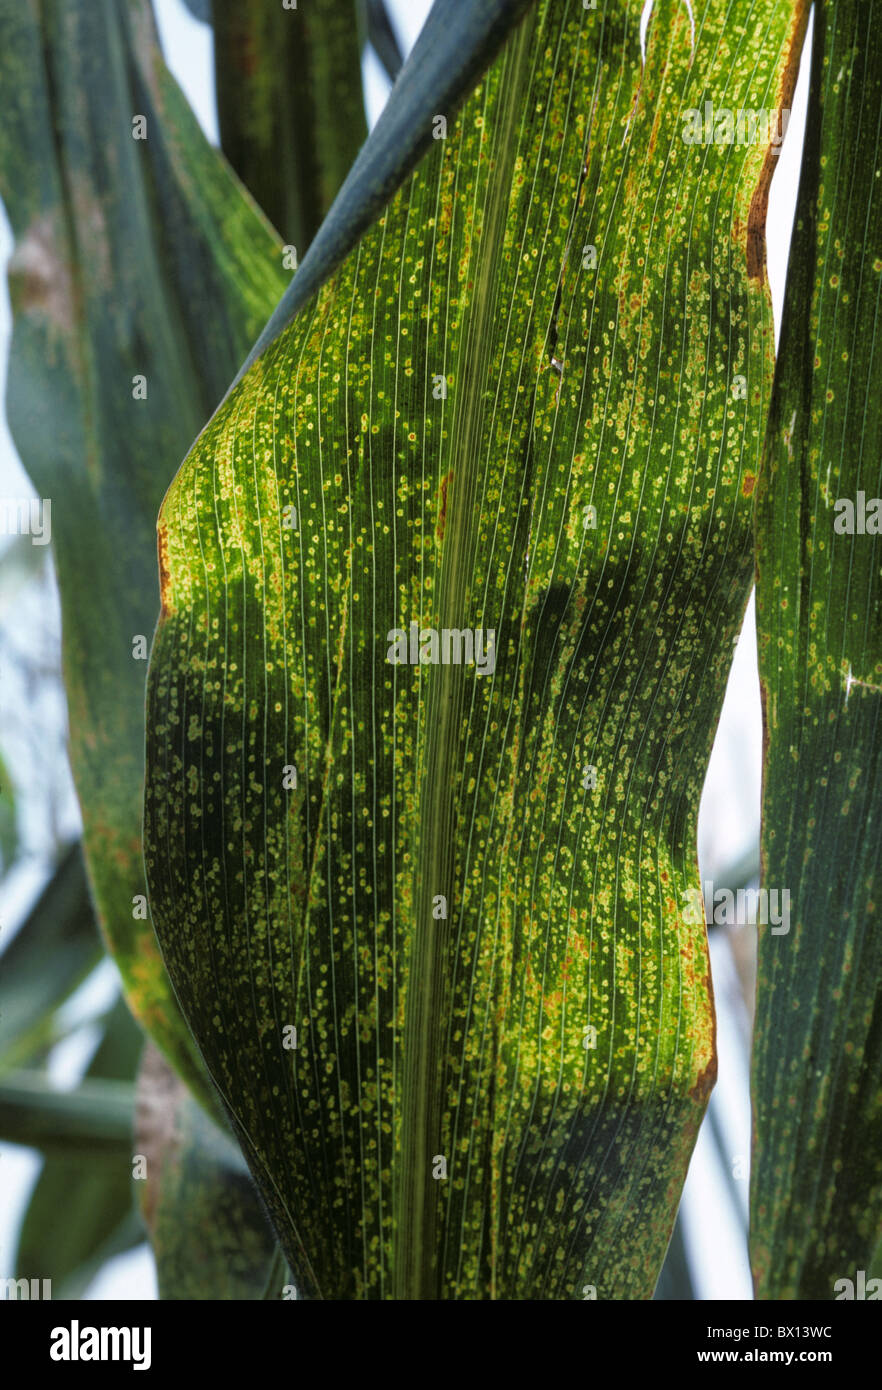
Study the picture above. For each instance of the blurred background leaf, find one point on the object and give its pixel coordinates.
(82, 1211)
(200, 9)
(52, 952)
(93, 1120)
(208, 1227)
(8, 820)
(290, 104)
(675, 1280)
(136, 260)
(376, 25)
(20, 561)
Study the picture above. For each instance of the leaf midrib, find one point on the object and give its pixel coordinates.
(415, 1270)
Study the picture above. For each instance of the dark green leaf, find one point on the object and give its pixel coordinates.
(138, 264)
(816, 1183)
(289, 104)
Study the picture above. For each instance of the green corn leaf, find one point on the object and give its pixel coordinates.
(816, 1183)
(94, 1120)
(140, 275)
(52, 952)
(289, 104)
(208, 1228)
(431, 920)
(454, 46)
(100, 1220)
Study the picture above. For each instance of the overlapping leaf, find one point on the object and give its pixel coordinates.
(208, 1229)
(289, 104)
(50, 955)
(530, 403)
(141, 273)
(377, 25)
(816, 1189)
(94, 1121)
(81, 1211)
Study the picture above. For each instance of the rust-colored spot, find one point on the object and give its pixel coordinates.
(748, 484)
(756, 226)
(164, 577)
(442, 515)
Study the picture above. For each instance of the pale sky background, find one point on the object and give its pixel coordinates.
(728, 827)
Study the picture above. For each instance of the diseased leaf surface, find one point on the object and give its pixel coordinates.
(529, 402)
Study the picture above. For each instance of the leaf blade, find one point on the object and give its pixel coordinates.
(100, 1219)
(424, 1036)
(108, 229)
(53, 951)
(290, 105)
(816, 1077)
(208, 1230)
